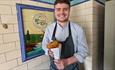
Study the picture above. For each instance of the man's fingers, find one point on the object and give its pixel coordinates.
(50, 53)
(57, 61)
(59, 64)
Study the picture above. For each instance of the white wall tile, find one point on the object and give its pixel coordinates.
(5, 2)
(8, 30)
(44, 58)
(13, 54)
(7, 47)
(11, 37)
(1, 39)
(89, 4)
(80, 6)
(34, 62)
(89, 11)
(16, 1)
(89, 18)
(18, 46)
(4, 9)
(8, 65)
(14, 11)
(21, 67)
(2, 58)
(9, 19)
(42, 66)
(15, 27)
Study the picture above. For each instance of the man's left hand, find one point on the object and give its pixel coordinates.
(59, 64)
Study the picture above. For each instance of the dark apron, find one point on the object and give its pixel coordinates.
(67, 51)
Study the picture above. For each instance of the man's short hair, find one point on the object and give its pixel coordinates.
(62, 1)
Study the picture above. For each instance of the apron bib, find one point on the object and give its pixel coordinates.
(67, 50)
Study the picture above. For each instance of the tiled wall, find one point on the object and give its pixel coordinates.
(10, 53)
(90, 15)
(83, 15)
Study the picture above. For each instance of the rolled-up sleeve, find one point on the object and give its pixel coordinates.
(82, 47)
(45, 41)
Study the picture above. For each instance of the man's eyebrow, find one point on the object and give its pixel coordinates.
(66, 7)
(57, 8)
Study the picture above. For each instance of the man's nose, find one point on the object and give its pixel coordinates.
(62, 11)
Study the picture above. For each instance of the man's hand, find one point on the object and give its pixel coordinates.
(69, 61)
(59, 64)
(50, 53)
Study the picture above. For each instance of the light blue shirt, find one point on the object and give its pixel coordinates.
(78, 35)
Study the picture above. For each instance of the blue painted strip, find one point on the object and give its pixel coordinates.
(21, 32)
(73, 2)
(80, 2)
(35, 7)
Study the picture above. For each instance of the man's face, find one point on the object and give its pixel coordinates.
(62, 11)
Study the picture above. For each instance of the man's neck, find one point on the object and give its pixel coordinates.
(62, 24)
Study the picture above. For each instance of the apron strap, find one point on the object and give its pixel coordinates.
(69, 29)
(53, 36)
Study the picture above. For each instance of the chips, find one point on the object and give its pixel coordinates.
(53, 44)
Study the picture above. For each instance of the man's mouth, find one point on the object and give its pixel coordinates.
(62, 16)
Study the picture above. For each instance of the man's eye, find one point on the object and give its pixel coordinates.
(57, 9)
(65, 9)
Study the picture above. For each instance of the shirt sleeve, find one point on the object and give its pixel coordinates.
(82, 48)
(45, 41)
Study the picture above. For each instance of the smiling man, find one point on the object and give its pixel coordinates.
(70, 35)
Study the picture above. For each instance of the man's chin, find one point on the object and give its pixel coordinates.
(62, 21)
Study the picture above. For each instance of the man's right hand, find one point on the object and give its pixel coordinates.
(50, 53)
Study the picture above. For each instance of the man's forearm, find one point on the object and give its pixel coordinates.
(70, 60)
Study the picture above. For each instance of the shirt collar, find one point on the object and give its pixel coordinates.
(66, 24)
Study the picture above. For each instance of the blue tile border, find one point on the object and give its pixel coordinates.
(53, 4)
(81, 2)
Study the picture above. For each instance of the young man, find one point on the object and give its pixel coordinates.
(70, 35)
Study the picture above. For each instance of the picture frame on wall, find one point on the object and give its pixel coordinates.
(32, 21)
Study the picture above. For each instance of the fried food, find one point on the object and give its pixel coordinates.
(53, 44)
